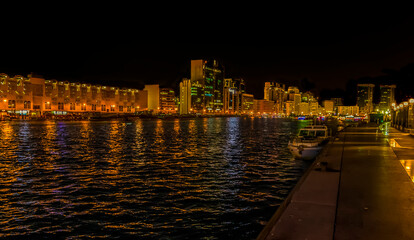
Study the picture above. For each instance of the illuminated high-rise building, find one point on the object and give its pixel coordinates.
(238, 84)
(364, 97)
(153, 96)
(297, 99)
(275, 92)
(304, 108)
(167, 100)
(267, 90)
(387, 97)
(329, 106)
(229, 96)
(232, 94)
(247, 101)
(207, 83)
(185, 96)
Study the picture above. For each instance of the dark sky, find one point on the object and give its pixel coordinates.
(129, 49)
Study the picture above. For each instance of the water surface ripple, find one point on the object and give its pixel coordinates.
(211, 178)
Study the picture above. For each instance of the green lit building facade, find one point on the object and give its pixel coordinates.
(207, 84)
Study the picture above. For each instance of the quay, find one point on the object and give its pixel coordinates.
(358, 188)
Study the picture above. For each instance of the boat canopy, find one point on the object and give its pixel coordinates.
(313, 131)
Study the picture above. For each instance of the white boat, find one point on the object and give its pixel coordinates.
(309, 142)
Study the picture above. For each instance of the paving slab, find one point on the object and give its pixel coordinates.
(375, 195)
(363, 192)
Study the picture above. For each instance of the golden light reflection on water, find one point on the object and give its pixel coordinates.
(409, 167)
(177, 127)
(159, 132)
(153, 178)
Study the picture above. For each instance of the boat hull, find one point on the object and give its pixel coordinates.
(305, 153)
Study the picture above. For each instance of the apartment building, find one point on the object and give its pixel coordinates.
(36, 96)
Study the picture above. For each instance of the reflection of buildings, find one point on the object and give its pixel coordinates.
(365, 94)
(37, 96)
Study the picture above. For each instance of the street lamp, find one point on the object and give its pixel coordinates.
(411, 101)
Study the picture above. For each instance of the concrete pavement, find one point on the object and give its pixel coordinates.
(357, 189)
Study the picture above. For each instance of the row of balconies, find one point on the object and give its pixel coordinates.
(48, 106)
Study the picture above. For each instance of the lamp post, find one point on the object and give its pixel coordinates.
(410, 113)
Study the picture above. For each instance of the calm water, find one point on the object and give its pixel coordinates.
(216, 178)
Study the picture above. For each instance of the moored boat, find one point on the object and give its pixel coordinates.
(309, 142)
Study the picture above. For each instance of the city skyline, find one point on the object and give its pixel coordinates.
(209, 91)
(327, 54)
(241, 121)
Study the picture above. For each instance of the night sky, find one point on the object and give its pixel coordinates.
(132, 50)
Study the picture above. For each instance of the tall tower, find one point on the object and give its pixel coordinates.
(387, 97)
(185, 96)
(153, 96)
(267, 89)
(364, 97)
(275, 92)
(207, 82)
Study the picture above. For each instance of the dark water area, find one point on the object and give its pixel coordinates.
(210, 178)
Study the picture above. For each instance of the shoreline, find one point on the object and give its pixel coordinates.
(134, 117)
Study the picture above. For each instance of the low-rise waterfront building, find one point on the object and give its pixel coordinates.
(167, 100)
(261, 106)
(348, 110)
(35, 96)
(247, 103)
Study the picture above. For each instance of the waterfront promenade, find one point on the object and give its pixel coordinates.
(357, 189)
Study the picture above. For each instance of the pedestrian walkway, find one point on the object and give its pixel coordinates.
(358, 189)
(403, 146)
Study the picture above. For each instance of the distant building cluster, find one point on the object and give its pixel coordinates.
(365, 95)
(208, 91)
